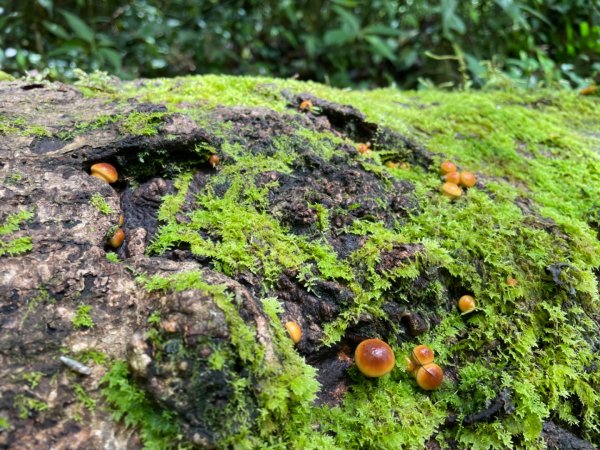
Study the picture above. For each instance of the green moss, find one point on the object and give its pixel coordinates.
(33, 378)
(99, 202)
(141, 124)
(4, 423)
(536, 156)
(27, 406)
(112, 257)
(84, 398)
(19, 245)
(19, 125)
(82, 318)
(158, 429)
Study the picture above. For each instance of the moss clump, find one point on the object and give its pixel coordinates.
(20, 126)
(19, 245)
(261, 399)
(533, 218)
(99, 202)
(82, 318)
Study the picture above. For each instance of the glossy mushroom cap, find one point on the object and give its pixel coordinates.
(466, 304)
(422, 355)
(294, 330)
(452, 177)
(410, 365)
(429, 376)
(116, 240)
(447, 167)
(467, 179)
(451, 190)
(374, 358)
(214, 160)
(306, 105)
(105, 172)
(364, 149)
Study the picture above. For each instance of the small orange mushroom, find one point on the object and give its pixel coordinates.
(294, 330)
(512, 282)
(364, 149)
(467, 179)
(447, 167)
(105, 171)
(116, 240)
(392, 165)
(466, 304)
(452, 177)
(429, 376)
(422, 354)
(306, 105)
(214, 160)
(588, 90)
(374, 358)
(451, 190)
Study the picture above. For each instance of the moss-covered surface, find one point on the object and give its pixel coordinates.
(300, 205)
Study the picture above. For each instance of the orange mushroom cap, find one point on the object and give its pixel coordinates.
(466, 304)
(451, 190)
(294, 330)
(429, 376)
(422, 354)
(374, 358)
(104, 171)
(214, 160)
(467, 179)
(452, 177)
(364, 149)
(447, 167)
(116, 240)
(306, 105)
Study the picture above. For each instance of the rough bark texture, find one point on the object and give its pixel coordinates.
(181, 342)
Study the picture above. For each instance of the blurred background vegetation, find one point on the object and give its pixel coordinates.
(341, 42)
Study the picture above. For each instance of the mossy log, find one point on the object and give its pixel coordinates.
(176, 339)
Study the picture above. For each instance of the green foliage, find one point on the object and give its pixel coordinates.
(82, 318)
(19, 245)
(99, 202)
(341, 42)
(535, 339)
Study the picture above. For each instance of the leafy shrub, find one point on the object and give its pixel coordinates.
(342, 42)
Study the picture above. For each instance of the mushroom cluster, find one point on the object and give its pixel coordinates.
(454, 180)
(107, 172)
(420, 364)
